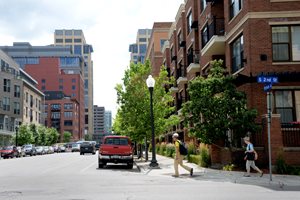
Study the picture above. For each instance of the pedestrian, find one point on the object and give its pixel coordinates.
(178, 160)
(250, 157)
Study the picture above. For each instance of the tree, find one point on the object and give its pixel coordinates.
(67, 136)
(24, 135)
(87, 137)
(42, 135)
(216, 106)
(133, 116)
(33, 129)
(52, 136)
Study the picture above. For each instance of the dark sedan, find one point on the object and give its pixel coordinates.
(87, 147)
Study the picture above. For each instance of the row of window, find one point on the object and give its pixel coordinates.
(68, 40)
(57, 115)
(29, 113)
(5, 105)
(36, 102)
(67, 106)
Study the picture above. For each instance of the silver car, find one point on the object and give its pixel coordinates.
(40, 150)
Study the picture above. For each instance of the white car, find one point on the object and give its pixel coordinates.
(75, 147)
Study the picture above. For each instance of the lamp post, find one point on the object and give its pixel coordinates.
(17, 129)
(150, 84)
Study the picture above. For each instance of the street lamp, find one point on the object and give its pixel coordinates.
(17, 129)
(150, 84)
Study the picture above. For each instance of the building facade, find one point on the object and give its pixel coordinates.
(99, 123)
(158, 37)
(52, 79)
(108, 122)
(10, 98)
(76, 40)
(253, 38)
(138, 49)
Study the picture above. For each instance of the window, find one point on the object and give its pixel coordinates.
(55, 106)
(69, 61)
(16, 108)
(235, 7)
(203, 5)
(61, 80)
(86, 83)
(179, 39)
(143, 48)
(189, 22)
(68, 123)
(43, 87)
(59, 32)
(204, 36)
(43, 81)
(6, 85)
(286, 43)
(287, 104)
(68, 114)
(31, 101)
(55, 115)
(78, 49)
(162, 42)
(133, 48)
(68, 106)
(6, 103)
(26, 112)
(59, 40)
(36, 102)
(61, 87)
(73, 80)
(77, 32)
(77, 40)
(73, 87)
(142, 39)
(17, 91)
(68, 40)
(237, 52)
(86, 49)
(68, 32)
(26, 97)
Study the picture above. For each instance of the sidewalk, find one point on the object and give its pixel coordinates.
(166, 169)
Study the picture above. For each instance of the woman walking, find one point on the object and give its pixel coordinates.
(250, 158)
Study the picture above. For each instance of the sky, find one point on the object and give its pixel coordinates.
(108, 25)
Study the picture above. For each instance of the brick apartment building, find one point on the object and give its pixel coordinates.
(65, 111)
(258, 37)
(154, 51)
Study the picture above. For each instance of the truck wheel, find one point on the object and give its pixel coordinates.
(130, 165)
(94, 153)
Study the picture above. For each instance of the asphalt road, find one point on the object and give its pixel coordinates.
(69, 176)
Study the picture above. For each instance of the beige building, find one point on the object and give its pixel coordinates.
(138, 49)
(32, 101)
(76, 39)
(158, 37)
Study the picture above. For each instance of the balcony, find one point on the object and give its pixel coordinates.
(213, 39)
(174, 89)
(181, 75)
(193, 61)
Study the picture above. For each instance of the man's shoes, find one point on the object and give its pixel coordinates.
(175, 176)
(246, 175)
(192, 172)
(261, 174)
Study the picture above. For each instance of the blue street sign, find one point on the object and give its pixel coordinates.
(268, 87)
(267, 79)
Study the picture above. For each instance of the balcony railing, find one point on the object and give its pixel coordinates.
(216, 27)
(193, 57)
(290, 135)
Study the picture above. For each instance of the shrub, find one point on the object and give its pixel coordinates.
(281, 166)
(204, 155)
(162, 148)
(170, 150)
(191, 148)
(194, 159)
(229, 167)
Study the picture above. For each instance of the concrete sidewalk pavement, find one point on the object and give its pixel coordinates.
(166, 169)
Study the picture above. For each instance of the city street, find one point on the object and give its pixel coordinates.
(69, 176)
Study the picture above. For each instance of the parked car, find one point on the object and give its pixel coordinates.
(21, 152)
(51, 150)
(116, 149)
(46, 149)
(55, 148)
(40, 150)
(87, 147)
(61, 148)
(9, 152)
(30, 149)
(75, 147)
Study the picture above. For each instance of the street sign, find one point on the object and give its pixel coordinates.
(268, 87)
(267, 79)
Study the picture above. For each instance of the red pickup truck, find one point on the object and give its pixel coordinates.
(115, 149)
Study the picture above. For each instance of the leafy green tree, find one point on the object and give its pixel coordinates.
(67, 136)
(35, 134)
(87, 137)
(24, 135)
(216, 106)
(42, 135)
(52, 136)
(133, 116)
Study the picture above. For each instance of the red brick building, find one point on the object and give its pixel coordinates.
(253, 38)
(65, 109)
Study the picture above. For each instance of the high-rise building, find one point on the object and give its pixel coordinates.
(76, 40)
(99, 123)
(107, 121)
(138, 49)
(157, 40)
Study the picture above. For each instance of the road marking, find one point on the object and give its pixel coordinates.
(89, 166)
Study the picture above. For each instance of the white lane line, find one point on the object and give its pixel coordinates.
(89, 166)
